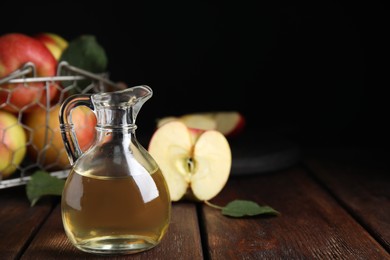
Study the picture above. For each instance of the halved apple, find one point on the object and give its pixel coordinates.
(198, 121)
(195, 163)
(229, 123)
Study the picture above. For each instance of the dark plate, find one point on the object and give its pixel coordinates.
(259, 152)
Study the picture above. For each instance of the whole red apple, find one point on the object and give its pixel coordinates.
(47, 145)
(54, 42)
(16, 49)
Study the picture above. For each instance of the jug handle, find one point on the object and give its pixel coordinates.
(68, 133)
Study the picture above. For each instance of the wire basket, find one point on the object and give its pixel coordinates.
(68, 80)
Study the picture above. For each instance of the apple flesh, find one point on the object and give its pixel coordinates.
(16, 50)
(12, 144)
(195, 163)
(229, 123)
(54, 42)
(47, 146)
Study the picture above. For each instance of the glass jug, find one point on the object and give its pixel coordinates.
(115, 199)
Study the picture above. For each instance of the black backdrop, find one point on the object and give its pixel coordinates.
(313, 71)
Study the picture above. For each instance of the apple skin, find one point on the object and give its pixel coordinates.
(56, 158)
(12, 144)
(54, 42)
(16, 49)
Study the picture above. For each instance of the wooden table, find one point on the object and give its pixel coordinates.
(334, 204)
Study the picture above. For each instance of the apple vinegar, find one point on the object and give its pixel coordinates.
(101, 213)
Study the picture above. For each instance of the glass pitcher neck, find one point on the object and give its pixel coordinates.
(115, 118)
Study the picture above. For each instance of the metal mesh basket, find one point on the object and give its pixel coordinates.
(68, 80)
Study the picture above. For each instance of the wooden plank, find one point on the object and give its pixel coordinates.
(312, 224)
(362, 183)
(182, 239)
(18, 221)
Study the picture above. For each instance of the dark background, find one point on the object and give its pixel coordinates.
(315, 72)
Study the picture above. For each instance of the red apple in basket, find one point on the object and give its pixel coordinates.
(47, 146)
(16, 49)
(54, 42)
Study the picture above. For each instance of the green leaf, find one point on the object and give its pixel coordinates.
(240, 208)
(42, 184)
(85, 53)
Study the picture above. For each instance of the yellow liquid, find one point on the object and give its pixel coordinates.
(119, 215)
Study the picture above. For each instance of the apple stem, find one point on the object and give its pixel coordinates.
(208, 203)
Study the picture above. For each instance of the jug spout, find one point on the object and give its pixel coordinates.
(120, 108)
